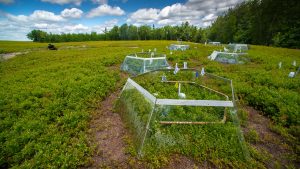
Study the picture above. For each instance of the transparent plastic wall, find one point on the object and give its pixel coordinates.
(231, 58)
(161, 122)
(135, 107)
(155, 64)
(238, 47)
(133, 66)
(178, 47)
(207, 80)
(178, 114)
(215, 43)
(138, 65)
(228, 58)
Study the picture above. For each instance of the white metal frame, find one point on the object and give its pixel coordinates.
(146, 59)
(154, 58)
(180, 102)
(179, 46)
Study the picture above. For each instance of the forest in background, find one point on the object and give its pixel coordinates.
(259, 22)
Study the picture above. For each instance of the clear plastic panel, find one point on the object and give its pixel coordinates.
(238, 47)
(135, 109)
(138, 65)
(147, 55)
(133, 66)
(178, 47)
(232, 113)
(221, 140)
(231, 58)
(155, 64)
(171, 113)
(193, 85)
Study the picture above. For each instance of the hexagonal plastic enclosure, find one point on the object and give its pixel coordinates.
(143, 62)
(179, 47)
(157, 105)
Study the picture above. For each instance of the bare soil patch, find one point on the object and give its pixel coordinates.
(107, 133)
(278, 148)
(179, 161)
(7, 56)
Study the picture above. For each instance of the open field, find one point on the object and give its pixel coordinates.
(48, 98)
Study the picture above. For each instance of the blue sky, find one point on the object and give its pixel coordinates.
(18, 17)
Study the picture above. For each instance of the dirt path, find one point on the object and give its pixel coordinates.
(179, 161)
(108, 133)
(278, 149)
(7, 56)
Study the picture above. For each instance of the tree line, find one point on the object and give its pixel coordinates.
(185, 32)
(261, 22)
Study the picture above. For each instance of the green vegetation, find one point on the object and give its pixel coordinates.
(134, 65)
(252, 136)
(46, 98)
(169, 90)
(12, 46)
(261, 22)
(45, 101)
(184, 32)
(231, 58)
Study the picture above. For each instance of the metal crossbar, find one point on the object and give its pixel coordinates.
(177, 102)
(154, 58)
(142, 90)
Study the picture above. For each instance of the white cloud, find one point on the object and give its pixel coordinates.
(166, 22)
(19, 18)
(216, 6)
(169, 15)
(71, 13)
(6, 1)
(15, 27)
(107, 24)
(209, 17)
(12, 31)
(58, 28)
(197, 12)
(37, 15)
(40, 25)
(111, 23)
(63, 2)
(99, 2)
(77, 28)
(144, 16)
(105, 9)
(174, 10)
(41, 15)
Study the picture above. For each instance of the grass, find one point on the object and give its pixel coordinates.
(46, 98)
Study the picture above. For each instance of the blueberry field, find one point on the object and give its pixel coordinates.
(48, 98)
